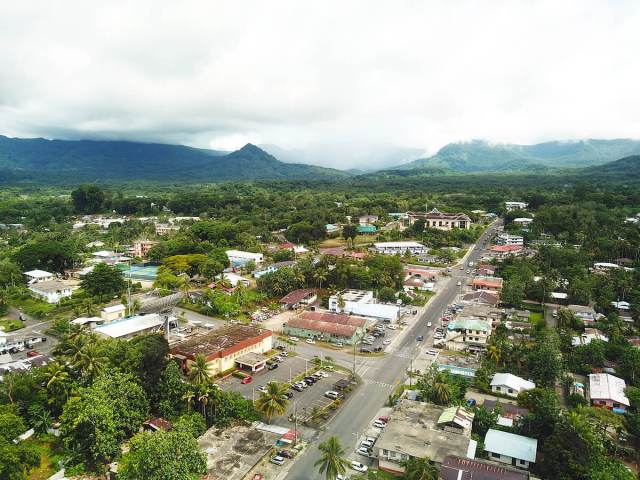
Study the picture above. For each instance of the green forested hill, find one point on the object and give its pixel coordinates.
(68, 162)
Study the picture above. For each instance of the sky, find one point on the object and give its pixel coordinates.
(338, 83)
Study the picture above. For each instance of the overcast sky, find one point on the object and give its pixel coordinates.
(343, 78)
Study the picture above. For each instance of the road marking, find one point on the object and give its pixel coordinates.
(370, 381)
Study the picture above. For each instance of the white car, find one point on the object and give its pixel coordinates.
(322, 374)
(363, 451)
(310, 341)
(339, 344)
(366, 444)
(429, 324)
(331, 394)
(392, 327)
(432, 352)
(358, 467)
(277, 460)
(386, 342)
(294, 339)
(283, 354)
(379, 424)
(459, 284)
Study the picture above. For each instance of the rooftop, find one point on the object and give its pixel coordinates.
(38, 274)
(215, 342)
(512, 381)
(50, 286)
(458, 468)
(297, 296)
(511, 445)
(406, 244)
(339, 318)
(128, 326)
(464, 323)
(323, 327)
(114, 308)
(604, 386)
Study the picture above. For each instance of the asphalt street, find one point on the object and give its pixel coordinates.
(381, 375)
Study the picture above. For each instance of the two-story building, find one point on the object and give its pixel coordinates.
(607, 391)
(400, 248)
(440, 220)
(468, 334)
(51, 291)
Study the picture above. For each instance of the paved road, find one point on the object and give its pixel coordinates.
(380, 376)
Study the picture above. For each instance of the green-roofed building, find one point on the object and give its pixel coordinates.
(468, 334)
(367, 229)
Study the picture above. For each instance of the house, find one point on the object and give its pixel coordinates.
(155, 424)
(34, 276)
(412, 283)
(108, 257)
(508, 239)
(274, 267)
(127, 328)
(361, 302)
(233, 279)
(329, 327)
(515, 206)
(456, 419)
(482, 297)
(509, 384)
(226, 348)
(367, 219)
(605, 267)
(583, 312)
(606, 390)
(492, 284)
(91, 321)
(459, 468)
(51, 291)
(298, 298)
(413, 431)
(400, 248)
(421, 273)
(441, 221)
(468, 333)
(503, 251)
(559, 297)
(523, 222)
(331, 228)
(515, 450)
(508, 412)
(95, 244)
(166, 228)
(587, 336)
(485, 270)
(367, 229)
(141, 247)
(113, 312)
(238, 258)
(624, 311)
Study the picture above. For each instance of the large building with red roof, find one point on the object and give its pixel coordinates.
(329, 327)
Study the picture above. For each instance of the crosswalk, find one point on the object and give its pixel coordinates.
(370, 381)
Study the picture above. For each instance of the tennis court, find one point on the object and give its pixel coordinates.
(139, 272)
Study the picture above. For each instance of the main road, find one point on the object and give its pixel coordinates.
(381, 375)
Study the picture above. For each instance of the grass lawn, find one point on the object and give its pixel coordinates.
(535, 317)
(33, 307)
(9, 325)
(49, 456)
(341, 242)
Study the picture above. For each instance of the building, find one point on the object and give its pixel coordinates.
(510, 385)
(509, 413)
(226, 348)
(510, 448)
(515, 206)
(141, 247)
(34, 276)
(95, 244)
(400, 248)
(583, 312)
(482, 297)
(238, 258)
(331, 228)
(441, 221)
(421, 273)
(492, 284)
(50, 291)
(274, 267)
(299, 298)
(328, 327)
(361, 302)
(127, 328)
(108, 257)
(503, 251)
(607, 391)
(414, 430)
(508, 239)
(367, 219)
(367, 229)
(523, 222)
(459, 468)
(233, 279)
(113, 313)
(166, 228)
(588, 336)
(465, 333)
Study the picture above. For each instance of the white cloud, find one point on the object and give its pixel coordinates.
(345, 78)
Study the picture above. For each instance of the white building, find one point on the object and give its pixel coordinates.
(467, 333)
(607, 391)
(588, 336)
(510, 448)
(112, 313)
(130, 327)
(51, 292)
(234, 279)
(362, 303)
(166, 228)
(34, 276)
(238, 257)
(516, 206)
(393, 248)
(524, 222)
(507, 239)
(510, 385)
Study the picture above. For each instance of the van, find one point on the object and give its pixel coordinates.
(331, 394)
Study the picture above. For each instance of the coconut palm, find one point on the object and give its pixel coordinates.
(203, 398)
(273, 400)
(320, 276)
(332, 462)
(493, 352)
(188, 398)
(442, 388)
(199, 374)
(419, 469)
(89, 362)
(56, 375)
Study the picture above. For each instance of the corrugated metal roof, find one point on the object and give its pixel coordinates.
(511, 445)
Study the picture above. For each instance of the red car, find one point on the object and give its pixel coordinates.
(247, 379)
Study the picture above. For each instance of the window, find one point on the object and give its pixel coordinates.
(495, 455)
(497, 389)
(511, 390)
(522, 462)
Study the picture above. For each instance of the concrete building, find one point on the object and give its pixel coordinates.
(468, 334)
(400, 248)
(361, 302)
(35, 276)
(583, 312)
(51, 291)
(299, 298)
(588, 336)
(508, 239)
(166, 228)
(127, 328)
(233, 279)
(509, 448)
(523, 222)
(510, 385)
(503, 251)
(607, 391)
(367, 219)
(274, 267)
(331, 228)
(328, 327)
(459, 468)
(414, 430)
(482, 297)
(113, 313)
(492, 284)
(441, 221)
(515, 206)
(226, 347)
(141, 248)
(238, 258)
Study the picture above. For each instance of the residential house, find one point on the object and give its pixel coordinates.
(50, 291)
(607, 391)
(238, 258)
(35, 276)
(504, 251)
(441, 221)
(508, 239)
(510, 385)
(331, 228)
(508, 412)
(367, 219)
(298, 298)
(523, 222)
(274, 267)
(509, 448)
(459, 468)
(233, 279)
(367, 229)
(400, 248)
(482, 297)
(113, 312)
(166, 228)
(422, 273)
(413, 431)
(492, 284)
(515, 206)
(470, 334)
(588, 336)
(624, 311)
(583, 312)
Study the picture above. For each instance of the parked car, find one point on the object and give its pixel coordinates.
(285, 454)
(367, 444)
(377, 349)
(386, 342)
(281, 348)
(284, 354)
(363, 451)
(297, 387)
(331, 394)
(432, 352)
(392, 327)
(310, 341)
(379, 424)
(261, 388)
(365, 350)
(294, 339)
(310, 380)
(278, 460)
(339, 344)
(471, 402)
(429, 324)
(247, 379)
(420, 338)
(358, 467)
(273, 366)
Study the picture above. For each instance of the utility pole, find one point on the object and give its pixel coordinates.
(295, 423)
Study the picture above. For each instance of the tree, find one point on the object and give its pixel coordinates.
(146, 358)
(89, 361)
(171, 391)
(10, 273)
(103, 280)
(439, 387)
(46, 254)
(419, 469)
(332, 462)
(273, 400)
(172, 455)
(349, 233)
(484, 420)
(16, 460)
(199, 373)
(512, 293)
(88, 198)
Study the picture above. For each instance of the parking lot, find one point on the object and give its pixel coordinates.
(379, 342)
(291, 367)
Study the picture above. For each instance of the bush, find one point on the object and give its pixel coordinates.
(576, 400)
(239, 374)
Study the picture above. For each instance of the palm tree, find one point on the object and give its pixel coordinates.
(199, 371)
(441, 388)
(42, 421)
(203, 398)
(188, 397)
(320, 276)
(56, 374)
(89, 362)
(419, 469)
(332, 462)
(185, 286)
(493, 352)
(273, 400)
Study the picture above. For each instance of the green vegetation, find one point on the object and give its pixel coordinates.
(332, 461)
